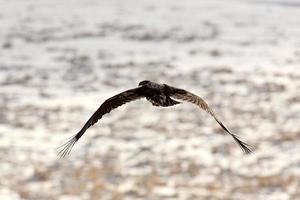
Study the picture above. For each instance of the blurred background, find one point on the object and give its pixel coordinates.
(59, 60)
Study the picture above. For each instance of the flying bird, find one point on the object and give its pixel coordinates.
(161, 95)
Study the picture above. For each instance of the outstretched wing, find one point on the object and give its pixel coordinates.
(192, 98)
(106, 107)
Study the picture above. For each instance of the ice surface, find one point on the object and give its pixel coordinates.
(61, 59)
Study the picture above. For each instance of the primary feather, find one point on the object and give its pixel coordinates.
(192, 98)
(106, 107)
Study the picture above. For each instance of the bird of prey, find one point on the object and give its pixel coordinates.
(159, 95)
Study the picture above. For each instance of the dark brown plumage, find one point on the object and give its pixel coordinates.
(158, 95)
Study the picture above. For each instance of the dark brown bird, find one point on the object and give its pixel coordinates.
(158, 95)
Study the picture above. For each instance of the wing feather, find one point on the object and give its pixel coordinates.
(192, 98)
(106, 107)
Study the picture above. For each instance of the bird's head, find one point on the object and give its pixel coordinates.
(144, 82)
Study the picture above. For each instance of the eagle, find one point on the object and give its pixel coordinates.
(161, 95)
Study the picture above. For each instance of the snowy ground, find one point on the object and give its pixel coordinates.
(60, 59)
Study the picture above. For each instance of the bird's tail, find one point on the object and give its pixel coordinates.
(170, 102)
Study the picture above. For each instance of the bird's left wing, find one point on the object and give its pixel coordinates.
(192, 98)
(106, 107)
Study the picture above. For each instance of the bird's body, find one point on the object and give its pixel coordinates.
(159, 95)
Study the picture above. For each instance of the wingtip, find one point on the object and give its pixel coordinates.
(65, 149)
(246, 148)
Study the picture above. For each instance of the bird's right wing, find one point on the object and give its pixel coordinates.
(106, 107)
(192, 98)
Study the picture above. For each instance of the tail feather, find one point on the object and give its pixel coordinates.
(170, 102)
